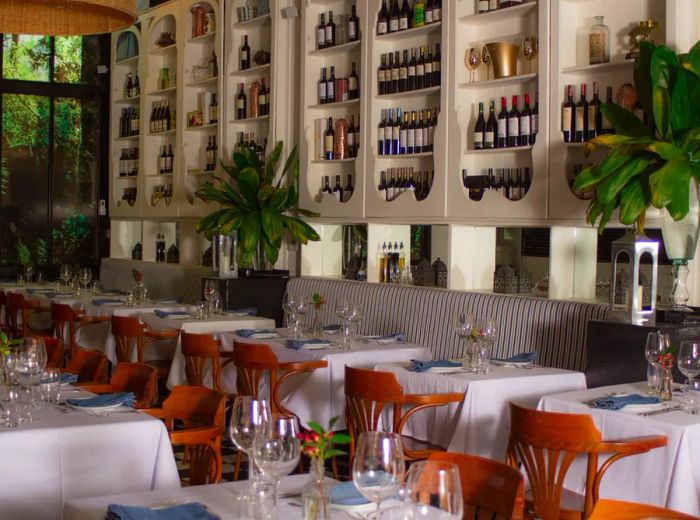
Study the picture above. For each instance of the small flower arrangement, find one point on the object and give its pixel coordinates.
(319, 443)
(318, 301)
(665, 359)
(6, 343)
(137, 275)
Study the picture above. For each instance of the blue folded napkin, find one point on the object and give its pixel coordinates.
(389, 338)
(249, 333)
(124, 398)
(424, 366)
(333, 327)
(616, 402)
(61, 294)
(523, 357)
(67, 377)
(106, 301)
(250, 311)
(168, 300)
(346, 494)
(166, 314)
(189, 511)
(298, 344)
(32, 290)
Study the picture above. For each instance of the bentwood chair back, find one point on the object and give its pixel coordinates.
(138, 378)
(368, 392)
(618, 510)
(54, 352)
(19, 309)
(546, 443)
(91, 366)
(67, 321)
(202, 352)
(3, 312)
(491, 490)
(129, 332)
(201, 414)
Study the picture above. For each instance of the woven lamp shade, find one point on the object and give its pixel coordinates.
(65, 17)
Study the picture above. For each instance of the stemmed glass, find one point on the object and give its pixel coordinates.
(28, 272)
(210, 294)
(434, 490)
(472, 61)
(300, 309)
(378, 467)
(486, 336)
(689, 359)
(354, 317)
(342, 309)
(486, 58)
(249, 417)
(85, 277)
(289, 307)
(66, 274)
(463, 329)
(657, 343)
(29, 365)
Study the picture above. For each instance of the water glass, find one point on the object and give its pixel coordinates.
(20, 280)
(39, 277)
(354, 317)
(654, 378)
(10, 408)
(51, 385)
(378, 467)
(434, 490)
(288, 306)
(481, 356)
(28, 273)
(463, 329)
(689, 359)
(130, 299)
(341, 29)
(95, 287)
(200, 310)
(657, 343)
(85, 276)
(66, 274)
(691, 394)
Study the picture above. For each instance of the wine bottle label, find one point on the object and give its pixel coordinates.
(478, 140)
(403, 73)
(420, 70)
(579, 119)
(437, 14)
(329, 34)
(381, 27)
(352, 30)
(493, 5)
(502, 129)
(436, 66)
(403, 24)
(513, 127)
(381, 75)
(261, 101)
(244, 56)
(336, 195)
(606, 124)
(411, 71)
(429, 16)
(428, 68)
(393, 25)
(524, 125)
(596, 48)
(419, 138)
(410, 138)
(352, 83)
(351, 140)
(321, 36)
(566, 119)
(488, 139)
(592, 113)
(240, 104)
(426, 136)
(388, 133)
(396, 74)
(535, 123)
(321, 91)
(396, 133)
(483, 6)
(403, 138)
(328, 145)
(330, 91)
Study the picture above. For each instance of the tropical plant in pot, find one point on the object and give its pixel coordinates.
(656, 164)
(257, 204)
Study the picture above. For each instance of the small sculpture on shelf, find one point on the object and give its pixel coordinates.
(173, 255)
(165, 39)
(423, 275)
(638, 34)
(440, 273)
(505, 280)
(261, 57)
(137, 252)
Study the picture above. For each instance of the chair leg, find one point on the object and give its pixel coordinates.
(237, 466)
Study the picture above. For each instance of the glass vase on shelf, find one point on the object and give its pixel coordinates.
(599, 42)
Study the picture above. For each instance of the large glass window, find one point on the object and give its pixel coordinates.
(52, 148)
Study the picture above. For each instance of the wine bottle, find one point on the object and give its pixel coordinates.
(479, 129)
(137, 85)
(428, 12)
(349, 189)
(406, 80)
(568, 114)
(581, 119)
(418, 148)
(381, 150)
(262, 99)
(353, 84)
(526, 123)
(328, 141)
(241, 103)
(162, 161)
(426, 131)
(437, 11)
(321, 32)
(390, 187)
(514, 123)
(420, 70)
(411, 135)
(394, 16)
(326, 186)
(381, 76)
(437, 76)
(129, 89)
(396, 74)
(413, 72)
(338, 190)
(351, 137)
(535, 119)
(482, 6)
(403, 16)
(383, 20)
(494, 5)
(382, 184)
(510, 3)
(396, 133)
(353, 25)
(606, 126)
(428, 66)
(491, 129)
(245, 54)
(207, 155)
(418, 13)
(171, 159)
(330, 31)
(388, 133)
(403, 135)
(595, 116)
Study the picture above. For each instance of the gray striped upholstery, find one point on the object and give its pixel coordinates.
(555, 328)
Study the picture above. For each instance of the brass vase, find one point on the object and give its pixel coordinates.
(504, 58)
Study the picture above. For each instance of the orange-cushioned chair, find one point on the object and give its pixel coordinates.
(368, 391)
(201, 414)
(202, 353)
(67, 321)
(618, 510)
(491, 490)
(128, 330)
(91, 366)
(54, 352)
(19, 310)
(546, 443)
(138, 378)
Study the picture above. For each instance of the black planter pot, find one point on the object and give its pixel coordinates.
(262, 290)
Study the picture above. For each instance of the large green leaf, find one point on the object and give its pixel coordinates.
(665, 150)
(606, 214)
(291, 161)
(240, 160)
(300, 230)
(271, 163)
(266, 191)
(664, 68)
(670, 182)
(642, 75)
(271, 222)
(614, 160)
(308, 213)
(209, 193)
(249, 183)
(634, 200)
(278, 198)
(680, 115)
(249, 232)
(588, 178)
(210, 222)
(690, 142)
(610, 141)
(232, 224)
(271, 248)
(235, 198)
(613, 184)
(691, 61)
(624, 121)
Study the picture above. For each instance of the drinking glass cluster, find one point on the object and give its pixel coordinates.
(480, 335)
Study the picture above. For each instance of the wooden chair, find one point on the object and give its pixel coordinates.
(19, 310)
(3, 312)
(201, 412)
(201, 352)
(618, 510)
(546, 443)
(128, 330)
(67, 321)
(91, 366)
(138, 378)
(491, 490)
(54, 352)
(368, 391)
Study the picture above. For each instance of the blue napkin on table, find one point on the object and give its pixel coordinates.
(166, 314)
(62, 294)
(616, 402)
(106, 301)
(298, 344)
(389, 338)
(168, 300)
(189, 511)
(523, 357)
(346, 494)
(424, 366)
(250, 311)
(68, 378)
(32, 290)
(124, 398)
(249, 333)
(333, 327)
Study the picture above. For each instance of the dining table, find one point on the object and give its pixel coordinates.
(481, 423)
(70, 453)
(667, 477)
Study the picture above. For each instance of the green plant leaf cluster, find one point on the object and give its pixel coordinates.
(256, 205)
(649, 165)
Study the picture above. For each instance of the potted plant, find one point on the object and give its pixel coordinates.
(656, 164)
(256, 206)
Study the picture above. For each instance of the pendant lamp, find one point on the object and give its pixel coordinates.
(65, 17)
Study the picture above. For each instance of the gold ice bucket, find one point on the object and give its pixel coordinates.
(504, 58)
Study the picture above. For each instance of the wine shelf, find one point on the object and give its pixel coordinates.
(164, 50)
(497, 151)
(203, 82)
(127, 138)
(128, 101)
(422, 155)
(523, 9)
(204, 37)
(410, 93)
(202, 127)
(410, 33)
(334, 161)
(163, 91)
(249, 120)
(258, 20)
(253, 71)
(337, 104)
(601, 67)
(520, 79)
(336, 49)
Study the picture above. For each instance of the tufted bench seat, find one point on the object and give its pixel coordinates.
(555, 328)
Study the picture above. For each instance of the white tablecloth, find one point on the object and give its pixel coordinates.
(668, 477)
(481, 424)
(73, 455)
(210, 326)
(320, 395)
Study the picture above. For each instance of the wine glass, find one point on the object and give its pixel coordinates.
(288, 306)
(277, 449)
(354, 317)
(342, 309)
(486, 336)
(688, 359)
(463, 329)
(66, 274)
(486, 59)
(653, 378)
(529, 48)
(434, 490)
(28, 273)
(30, 362)
(210, 294)
(249, 417)
(472, 61)
(300, 309)
(85, 276)
(657, 343)
(378, 467)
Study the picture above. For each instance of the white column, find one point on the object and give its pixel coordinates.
(325, 257)
(472, 257)
(572, 262)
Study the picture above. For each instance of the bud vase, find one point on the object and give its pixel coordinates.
(316, 494)
(316, 323)
(666, 392)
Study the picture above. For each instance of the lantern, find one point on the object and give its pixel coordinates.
(225, 255)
